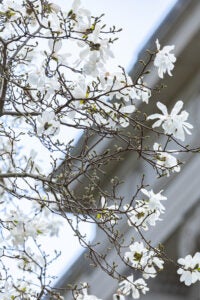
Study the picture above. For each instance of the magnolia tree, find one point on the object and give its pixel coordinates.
(45, 92)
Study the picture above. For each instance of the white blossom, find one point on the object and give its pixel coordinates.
(19, 289)
(146, 211)
(108, 212)
(45, 82)
(55, 47)
(153, 200)
(84, 295)
(81, 17)
(31, 261)
(152, 264)
(8, 292)
(98, 45)
(165, 161)
(12, 8)
(164, 60)
(144, 259)
(95, 53)
(120, 115)
(190, 269)
(38, 80)
(46, 124)
(24, 226)
(129, 286)
(137, 255)
(172, 123)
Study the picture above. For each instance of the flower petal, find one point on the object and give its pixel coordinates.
(163, 108)
(177, 108)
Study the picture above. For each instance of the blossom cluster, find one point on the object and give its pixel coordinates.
(20, 247)
(144, 259)
(48, 92)
(146, 211)
(189, 269)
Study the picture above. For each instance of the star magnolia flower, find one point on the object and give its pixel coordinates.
(143, 259)
(11, 9)
(46, 124)
(97, 44)
(8, 292)
(146, 211)
(25, 226)
(128, 286)
(108, 212)
(137, 254)
(165, 161)
(141, 216)
(55, 47)
(154, 200)
(123, 112)
(84, 295)
(152, 262)
(164, 60)
(30, 260)
(81, 19)
(172, 123)
(190, 270)
(95, 53)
